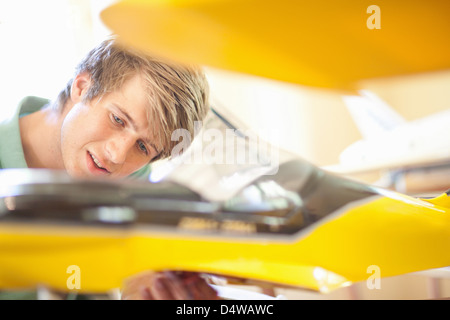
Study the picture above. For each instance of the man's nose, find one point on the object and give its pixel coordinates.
(118, 147)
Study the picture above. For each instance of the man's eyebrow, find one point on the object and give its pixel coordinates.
(135, 127)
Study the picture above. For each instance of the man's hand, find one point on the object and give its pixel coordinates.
(168, 285)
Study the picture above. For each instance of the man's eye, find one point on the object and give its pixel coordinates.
(142, 147)
(118, 120)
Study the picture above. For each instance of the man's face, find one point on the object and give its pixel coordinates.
(108, 137)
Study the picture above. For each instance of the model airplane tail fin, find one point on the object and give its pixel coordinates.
(371, 114)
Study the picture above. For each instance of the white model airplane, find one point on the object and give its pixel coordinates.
(392, 143)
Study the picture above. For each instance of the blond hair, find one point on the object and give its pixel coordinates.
(178, 94)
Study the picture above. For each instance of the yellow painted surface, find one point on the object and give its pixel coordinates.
(317, 43)
(396, 233)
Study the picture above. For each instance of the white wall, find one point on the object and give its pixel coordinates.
(41, 42)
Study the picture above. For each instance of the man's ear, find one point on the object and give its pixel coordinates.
(80, 85)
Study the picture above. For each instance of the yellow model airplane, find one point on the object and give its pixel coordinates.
(285, 222)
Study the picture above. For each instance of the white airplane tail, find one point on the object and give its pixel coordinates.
(371, 114)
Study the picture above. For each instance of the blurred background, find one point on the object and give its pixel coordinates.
(42, 41)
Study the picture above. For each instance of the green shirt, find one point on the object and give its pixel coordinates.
(11, 149)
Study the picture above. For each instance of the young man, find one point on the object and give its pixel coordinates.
(111, 120)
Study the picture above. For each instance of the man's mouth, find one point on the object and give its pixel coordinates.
(97, 163)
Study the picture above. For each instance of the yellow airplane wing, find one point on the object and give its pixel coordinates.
(329, 44)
